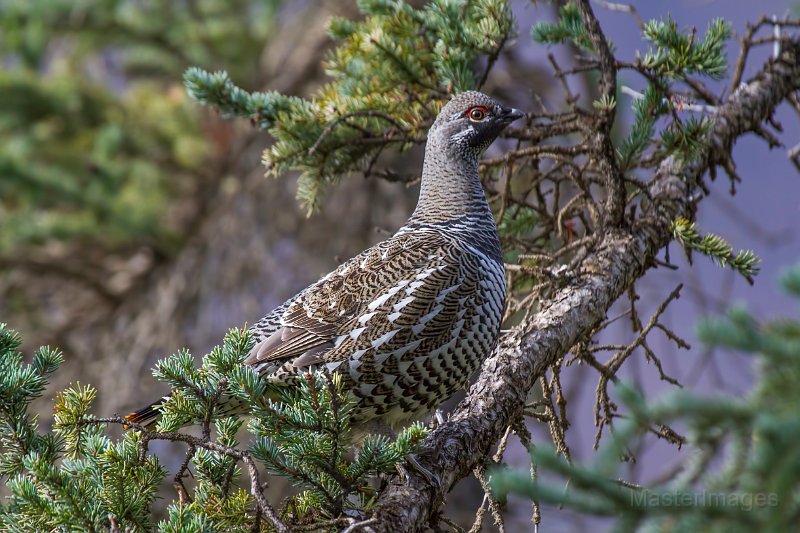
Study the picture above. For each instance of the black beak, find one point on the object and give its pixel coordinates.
(509, 114)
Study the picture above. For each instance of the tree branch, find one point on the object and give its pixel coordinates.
(621, 257)
(600, 137)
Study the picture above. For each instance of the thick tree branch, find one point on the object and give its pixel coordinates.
(623, 255)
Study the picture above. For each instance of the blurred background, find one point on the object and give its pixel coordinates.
(134, 222)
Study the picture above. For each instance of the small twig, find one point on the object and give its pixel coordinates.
(494, 505)
(180, 488)
(360, 525)
(683, 105)
(569, 96)
(492, 59)
(342, 119)
(624, 8)
(605, 409)
(322, 526)
(556, 425)
(258, 494)
(794, 156)
(455, 527)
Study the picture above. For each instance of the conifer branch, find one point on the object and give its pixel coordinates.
(568, 27)
(390, 72)
(745, 262)
(202, 443)
(302, 433)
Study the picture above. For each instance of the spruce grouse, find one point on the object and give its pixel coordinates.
(408, 321)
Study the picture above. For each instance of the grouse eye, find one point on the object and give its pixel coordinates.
(477, 113)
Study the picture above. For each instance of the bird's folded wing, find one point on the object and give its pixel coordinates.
(342, 302)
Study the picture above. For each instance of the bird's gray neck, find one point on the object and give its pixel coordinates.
(450, 187)
(451, 198)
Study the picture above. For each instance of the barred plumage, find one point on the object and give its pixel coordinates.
(407, 321)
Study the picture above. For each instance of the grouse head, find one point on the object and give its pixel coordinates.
(470, 122)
